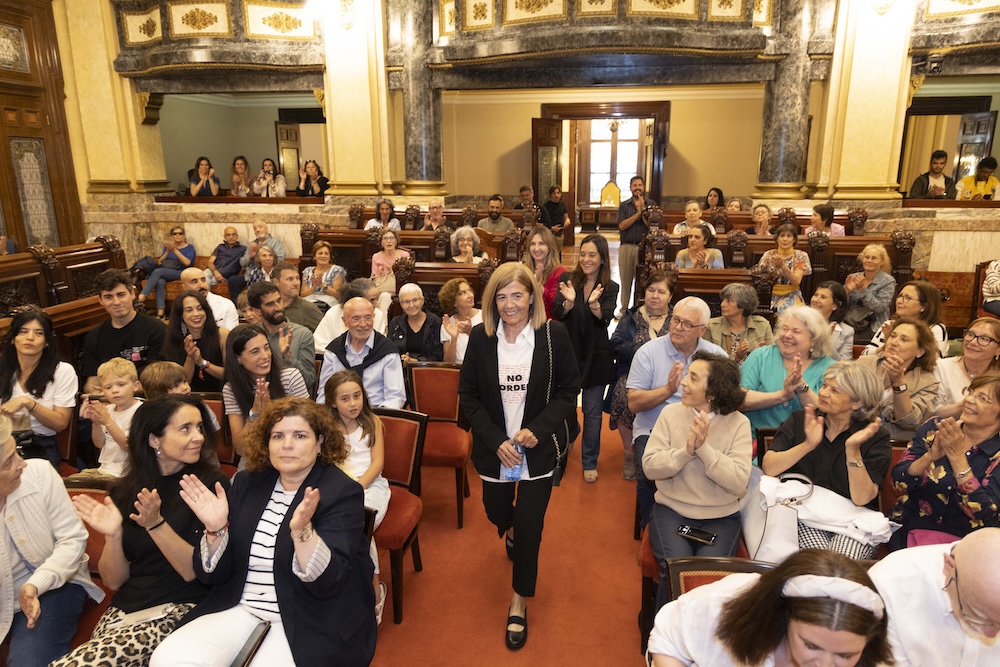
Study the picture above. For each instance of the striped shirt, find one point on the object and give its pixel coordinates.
(259, 593)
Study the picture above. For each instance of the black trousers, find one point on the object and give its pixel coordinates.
(526, 513)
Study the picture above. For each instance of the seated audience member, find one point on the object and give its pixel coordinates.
(384, 259)
(321, 282)
(816, 607)
(734, 204)
(638, 326)
(312, 182)
(558, 217)
(241, 180)
(203, 182)
(149, 533)
(541, 255)
(830, 300)
(347, 400)
(251, 260)
(126, 334)
(196, 342)
(946, 473)
(416, 333)
(991, 288)
(698, 455)
(458, 307)
(177, 254)
(46, 576)
(700, 252)
(384, 216)
(906, 365)
(527, 194)
(465, 246)
(822, 221)
(739, 331)
(934, 184)
(790, 264)
(713, 199)
(434, 217)
(957, 628)
(291, 342)
(495, 223)
(787, 375)
(981, 185)
(297, 309)
(872, 288)
(224, 262)
(37, 390)
(980, 354)
(332, 324)
(264, 271)
(654, 381)
(692, 218)
(223, 309)
(269, 182)
(111, 418)
(917, 299)
(254, 377)
(247, 315)
(844, 449)
(314, 587)
(368, 353)
(761, 220)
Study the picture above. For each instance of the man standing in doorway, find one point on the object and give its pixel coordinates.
(633, 225)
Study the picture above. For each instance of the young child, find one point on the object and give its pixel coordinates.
(246, 312)
(110, 422)
(348, 400)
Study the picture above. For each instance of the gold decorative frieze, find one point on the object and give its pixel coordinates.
(526, 11)
(726, 10)
(943, 8)
(142, 27)
(477, 14)
(675, 9)
(446, 18)
(596, 7)
(199, 19)
(277, 20)
(762, 12)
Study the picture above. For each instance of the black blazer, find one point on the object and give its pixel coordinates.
(545, 414)
(330, 621)
(432, 348)
(589, 334)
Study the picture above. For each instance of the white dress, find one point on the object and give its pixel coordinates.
(463, 339)
(377, 493)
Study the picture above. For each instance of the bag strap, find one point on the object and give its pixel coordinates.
(799, 478)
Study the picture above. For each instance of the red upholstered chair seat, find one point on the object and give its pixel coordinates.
(446, 445)
(397, 525)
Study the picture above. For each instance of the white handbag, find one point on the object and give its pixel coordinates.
(771, 532)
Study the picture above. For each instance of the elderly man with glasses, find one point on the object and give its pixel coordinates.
(654, 380)
(935, 616)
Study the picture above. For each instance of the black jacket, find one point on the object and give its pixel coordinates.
(432, 348)
(589, 334)
(922, 185)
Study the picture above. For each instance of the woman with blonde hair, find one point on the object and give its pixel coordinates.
(541, 255)
(980, 354)
(872, 287)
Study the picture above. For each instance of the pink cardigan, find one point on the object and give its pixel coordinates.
(381, 264)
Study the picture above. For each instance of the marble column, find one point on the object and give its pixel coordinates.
(421, 104)
(786, 109)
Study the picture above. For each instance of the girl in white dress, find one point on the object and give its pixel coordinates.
(346, 396)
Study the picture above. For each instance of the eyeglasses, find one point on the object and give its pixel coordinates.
(971, 619)
(411, 302)
(684, 325)
(979, 338)
(177, 233)
(905, 298)
(979, 396)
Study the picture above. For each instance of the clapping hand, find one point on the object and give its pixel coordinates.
(675, 377)
(211, 172)
(147, 508)
(698, 432)
(859, 438)
(464, 326)
(317, 279)
(302, 174)
(894, 369)
(950, 438)
(285, 342)
(813, 428)
(95, 411)
(595, 295)
(192, 350)
(103, 517)
(568, 292)
(793, 379)
(261, 397)
(742, 350)
(450, 324)
(304, 512)
(698, 257)
(211, 508)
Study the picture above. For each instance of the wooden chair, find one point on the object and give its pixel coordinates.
(887, 493)
(228, 458)
(404, 444)
(434, 391)
(765, 436)
(92, 611)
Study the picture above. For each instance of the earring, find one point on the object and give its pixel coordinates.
(156, 450)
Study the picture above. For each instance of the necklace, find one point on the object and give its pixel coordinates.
(734, 342)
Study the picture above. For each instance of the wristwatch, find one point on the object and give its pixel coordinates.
(802, 388)
(856, 464)
(900, 389)
(204, 364)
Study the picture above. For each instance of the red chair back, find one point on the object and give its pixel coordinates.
(887, 494)
(689, 573)
(434, 389)
(404, 445)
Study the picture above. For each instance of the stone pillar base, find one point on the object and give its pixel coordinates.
(777, 191)
(157, 186)
(352, 188)
(866, 191)
(115, 187)
(423, 189)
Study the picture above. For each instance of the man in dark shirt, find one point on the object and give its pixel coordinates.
(558, 215)
(128, 334)
(933, 184)
(528, 199)
(633, 225)
(225, 259)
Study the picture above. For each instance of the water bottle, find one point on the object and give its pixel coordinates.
(514, 473)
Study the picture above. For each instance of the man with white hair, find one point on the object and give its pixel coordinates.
(332, 324)
(223, 309)
(435, 216)
(936, 617)
(368, 353)
(654, 381)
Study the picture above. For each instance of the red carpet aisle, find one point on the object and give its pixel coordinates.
(585, 608)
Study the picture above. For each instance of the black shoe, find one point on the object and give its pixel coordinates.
(515, 639)
(509, 543)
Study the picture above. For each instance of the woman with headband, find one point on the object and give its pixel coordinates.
(816, 607)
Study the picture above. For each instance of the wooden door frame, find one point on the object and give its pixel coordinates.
(939, 106)
(659, 111)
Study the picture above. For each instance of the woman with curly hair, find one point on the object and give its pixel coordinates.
(314, 585)
(465, 247)
(458, 308)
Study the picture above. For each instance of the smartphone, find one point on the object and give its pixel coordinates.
(696, 534)
(97, 398)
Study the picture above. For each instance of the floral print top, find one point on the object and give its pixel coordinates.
(936, 501)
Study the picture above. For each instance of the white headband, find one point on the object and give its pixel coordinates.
(816, 586)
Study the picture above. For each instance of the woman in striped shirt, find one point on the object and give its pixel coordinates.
(288, 550)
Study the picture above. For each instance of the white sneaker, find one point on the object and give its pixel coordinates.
(380, 605)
